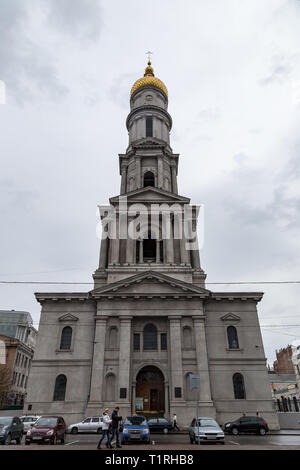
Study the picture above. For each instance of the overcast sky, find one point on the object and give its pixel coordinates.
(232, 69)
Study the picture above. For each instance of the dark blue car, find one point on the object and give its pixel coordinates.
(135, 428)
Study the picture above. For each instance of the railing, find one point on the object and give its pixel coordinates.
(287, 404)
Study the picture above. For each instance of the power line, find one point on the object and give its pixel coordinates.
(207, 283)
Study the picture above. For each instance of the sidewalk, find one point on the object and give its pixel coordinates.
(286, 432)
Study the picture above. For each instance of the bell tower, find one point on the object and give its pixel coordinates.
(148, 172)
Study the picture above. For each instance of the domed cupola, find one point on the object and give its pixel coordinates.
(149, 79)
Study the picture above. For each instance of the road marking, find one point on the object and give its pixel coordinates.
(69, 443)
(232, 442)
(275, 443)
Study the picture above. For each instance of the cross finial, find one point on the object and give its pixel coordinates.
(149, 55)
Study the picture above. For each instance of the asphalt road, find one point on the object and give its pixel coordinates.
(173, 442)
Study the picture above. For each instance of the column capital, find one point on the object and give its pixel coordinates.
(125, 318)
(101, 318)
(198, 318)
(174, 318)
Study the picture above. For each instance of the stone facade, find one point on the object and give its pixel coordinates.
(150, 321)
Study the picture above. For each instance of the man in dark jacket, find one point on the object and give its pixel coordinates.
(115, 425)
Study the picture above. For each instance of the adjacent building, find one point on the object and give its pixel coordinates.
(18, 340)
(284, 361)
(150, 321)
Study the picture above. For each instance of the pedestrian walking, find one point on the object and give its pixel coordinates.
(175, 423)
(115, 426)
(105, 430)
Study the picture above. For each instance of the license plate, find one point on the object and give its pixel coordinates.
(37, 438)
(134, 436)
(211, 437)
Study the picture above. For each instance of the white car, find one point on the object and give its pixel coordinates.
(203, 430)
(28, 421)
(88, 425)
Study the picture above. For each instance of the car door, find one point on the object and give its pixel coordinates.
(152, 425)
(84, 426)
(244, 424)
(94, 424)
(163, 424)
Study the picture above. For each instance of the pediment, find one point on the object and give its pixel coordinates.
(68, 317)
(150, 284)
(230, 317)
(152, 195)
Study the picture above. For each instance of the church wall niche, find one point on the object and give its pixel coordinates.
(110, 387)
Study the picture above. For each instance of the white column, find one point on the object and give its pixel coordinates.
(115, 246)
(160, 172)
(174, 179)
(123, 179)
(202, 361)
(124, 355)
(98, 360)
(176, 356)
(103, 253)
(170, 245)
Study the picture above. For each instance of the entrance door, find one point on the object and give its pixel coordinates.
(150, 391)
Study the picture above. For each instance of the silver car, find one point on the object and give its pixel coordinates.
(88, 425)
(205, 430)
(28, 421)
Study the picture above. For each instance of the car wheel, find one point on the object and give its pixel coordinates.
(8, 440)
(99, 431)
(165, 431)
(74, 431)
(235, 431)
(262, 431)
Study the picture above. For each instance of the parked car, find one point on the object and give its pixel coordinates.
(11, 429)
(205, 430)
(135, 428)
(47, 429)
(160, 425)
(91, 425)
(248, 424)
(28, 422)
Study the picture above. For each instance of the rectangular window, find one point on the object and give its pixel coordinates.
(177, 392)
(136, 342)
(163, 341)
(149, 126)
(123, 392)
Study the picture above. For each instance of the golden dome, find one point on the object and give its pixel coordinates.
(149, 79)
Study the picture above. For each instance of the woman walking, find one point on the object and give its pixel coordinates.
(105, 430)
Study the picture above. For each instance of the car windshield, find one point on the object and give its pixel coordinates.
(46, 422)
(135, 421)
(5, 421)
(207, 423)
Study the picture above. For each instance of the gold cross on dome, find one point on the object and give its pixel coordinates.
(149, 55)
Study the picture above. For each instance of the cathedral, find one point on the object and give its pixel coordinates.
(149, 322)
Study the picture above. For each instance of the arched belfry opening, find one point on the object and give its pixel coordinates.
(149, 248)
(149, 179)
(150, 392)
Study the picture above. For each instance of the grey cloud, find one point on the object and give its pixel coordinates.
(82, 18)
(209, 114)
(279, 72)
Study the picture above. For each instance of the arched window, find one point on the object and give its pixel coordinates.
(233, 341)
(187, 337)
(238, 386)
(60, 388)
(66, 338)
(149, 248)
(149, 179)
(150, 337)
(113, 336)
(110, 387)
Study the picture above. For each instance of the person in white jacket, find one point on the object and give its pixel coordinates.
(105, 430)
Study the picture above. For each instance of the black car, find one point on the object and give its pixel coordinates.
(160, 425)
(11, 429)
(248, 424)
